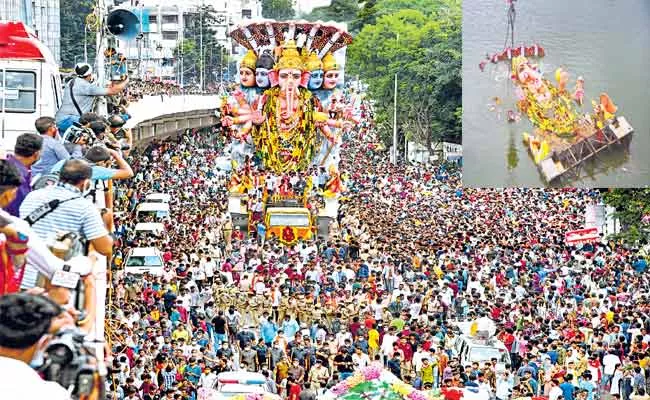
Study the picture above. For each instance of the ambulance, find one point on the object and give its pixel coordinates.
(30, 83)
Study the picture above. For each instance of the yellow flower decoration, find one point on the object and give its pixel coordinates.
(401, 388)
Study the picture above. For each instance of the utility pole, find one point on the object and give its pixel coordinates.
(395, 118)
(100, 43)
(201, 43)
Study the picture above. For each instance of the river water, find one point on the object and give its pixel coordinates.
(605, 41)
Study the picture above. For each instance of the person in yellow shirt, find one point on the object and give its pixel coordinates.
(373, 341)
(181, 333)
(427, 371)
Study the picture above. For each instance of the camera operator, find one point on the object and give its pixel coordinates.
(116, 124)
(80, 93)
(26, 323)
(71, 212)
(20, 245)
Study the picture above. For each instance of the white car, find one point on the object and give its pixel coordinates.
(233, 383)
(156, 210)
(155, 229)
(142, 260)
(157, 198)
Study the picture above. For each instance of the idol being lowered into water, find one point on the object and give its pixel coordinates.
(284, 121)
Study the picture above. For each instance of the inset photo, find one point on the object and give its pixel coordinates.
(556, 94)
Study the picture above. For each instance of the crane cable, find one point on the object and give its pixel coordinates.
(510, 25)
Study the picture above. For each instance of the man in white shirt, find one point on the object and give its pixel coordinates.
(24, 326)
(610, 361)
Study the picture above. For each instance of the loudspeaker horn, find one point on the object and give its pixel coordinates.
(123, 24)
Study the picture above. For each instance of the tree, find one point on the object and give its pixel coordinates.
(631, 206)
(424, 50)
(278, 9)
(366, 16)
(73, 17)
(338, 10)
(202, 20)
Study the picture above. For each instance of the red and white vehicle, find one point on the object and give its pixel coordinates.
(30, 83)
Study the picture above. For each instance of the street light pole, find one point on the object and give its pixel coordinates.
(395, 118)
(85, 43)
(201, 42)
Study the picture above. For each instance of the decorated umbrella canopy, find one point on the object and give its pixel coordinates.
(376, 383)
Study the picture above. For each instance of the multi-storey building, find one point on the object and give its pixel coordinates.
(163, 25)
(43, 16)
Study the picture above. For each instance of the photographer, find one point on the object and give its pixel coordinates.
(26, 323)
(19, 245)
(79, 95)
(116, 124)
(72, 213)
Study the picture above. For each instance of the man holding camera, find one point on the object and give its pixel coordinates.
(25, 326)
(79, 95)
(71, 212)
(27, 151)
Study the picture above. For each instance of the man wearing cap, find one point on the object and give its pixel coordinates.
(79, 95)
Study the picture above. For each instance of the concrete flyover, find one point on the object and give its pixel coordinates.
(156, 118)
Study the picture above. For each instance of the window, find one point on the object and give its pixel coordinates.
(300, 220)
(18, 90)
(170, 19)
(153, 19)
(246, 14)
(146, 261)
(170, 35)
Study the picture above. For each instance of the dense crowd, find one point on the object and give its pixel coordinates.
(411, 261)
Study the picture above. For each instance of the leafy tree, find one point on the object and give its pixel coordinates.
(203, 19)
(631, 206)
(73, 16)
(424, 49)
(366, 16)
(338, 10)
(278, 9)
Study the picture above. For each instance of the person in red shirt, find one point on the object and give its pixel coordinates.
(148, 387)
(406, 348)
(293, 389)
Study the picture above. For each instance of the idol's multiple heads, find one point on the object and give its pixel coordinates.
(306, 70)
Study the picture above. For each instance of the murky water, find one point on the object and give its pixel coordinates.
(605, 41)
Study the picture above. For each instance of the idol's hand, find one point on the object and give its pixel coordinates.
(227, 121)
(258, 118)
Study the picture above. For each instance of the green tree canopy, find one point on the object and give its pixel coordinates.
(631, 205)
(204, 19)
(423, 47)
(278, 9)
(338, 10)
(73, 17)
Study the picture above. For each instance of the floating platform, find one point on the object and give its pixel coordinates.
(568, 161)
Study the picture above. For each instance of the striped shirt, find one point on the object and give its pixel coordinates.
(79, 216)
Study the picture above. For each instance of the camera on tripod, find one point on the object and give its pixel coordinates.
(71, 363)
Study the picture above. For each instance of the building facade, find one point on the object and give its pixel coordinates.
(43, 16)
(163, 25)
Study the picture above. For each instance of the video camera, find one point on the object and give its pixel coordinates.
(71, 362)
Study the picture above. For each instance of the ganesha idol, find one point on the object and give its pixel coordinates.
(285, 120)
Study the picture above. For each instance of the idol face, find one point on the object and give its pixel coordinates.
(331, 79)
(289, 81)
(246, 77)
(262, 77)
(315, 79)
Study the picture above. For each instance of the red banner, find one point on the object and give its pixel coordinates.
(581, 236)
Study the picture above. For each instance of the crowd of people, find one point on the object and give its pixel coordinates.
(411, 259)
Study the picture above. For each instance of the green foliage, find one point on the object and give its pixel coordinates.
(204, 19)
(631, 205)
(73, 16)
(422, 45)
(338, 11)
(366, 16)
(278, 9)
